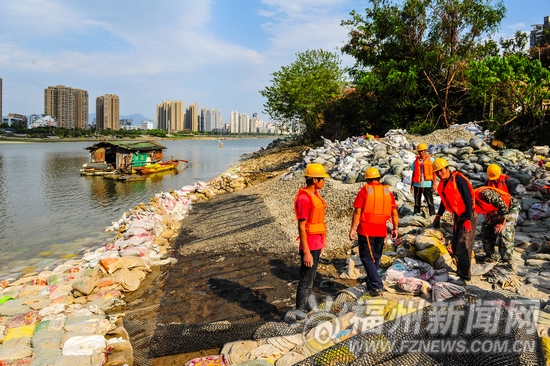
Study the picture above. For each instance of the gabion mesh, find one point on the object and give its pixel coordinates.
(464, 331)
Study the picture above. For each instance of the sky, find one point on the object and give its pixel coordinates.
(216, 53)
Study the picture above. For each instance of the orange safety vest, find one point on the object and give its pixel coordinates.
(483, 207)
(377, 207)
(450, 197)
(499, 183)
(315, 224)
(428, 169)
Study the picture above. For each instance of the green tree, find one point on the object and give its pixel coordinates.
(301, 92)
(515, 85)
(428, 41)
(514, 45)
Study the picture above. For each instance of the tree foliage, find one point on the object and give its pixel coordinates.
(301, 92)
(516, 85)
(417, 46)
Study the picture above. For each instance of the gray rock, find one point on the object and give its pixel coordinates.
(539, 282)
(482, 158)
(351, 177)
(390, 180)
(450, 150)
(458, 142)
(538, 263)
(541, 256)
(476, 143)
(466, 150)
(524, 178)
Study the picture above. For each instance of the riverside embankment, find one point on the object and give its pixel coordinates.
(237, 254)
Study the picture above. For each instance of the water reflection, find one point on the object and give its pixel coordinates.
(50, 212)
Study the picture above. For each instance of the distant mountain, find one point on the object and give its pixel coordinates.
(137, 117)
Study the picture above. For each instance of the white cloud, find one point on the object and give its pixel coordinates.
(147, 52)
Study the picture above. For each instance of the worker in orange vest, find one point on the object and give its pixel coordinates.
(373, 206)
(496, 179)
(501, 211)
(423, 180)
(457, 197)
(310, 209)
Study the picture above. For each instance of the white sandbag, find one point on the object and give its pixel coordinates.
(83, 345)
(129, 280)
(236, 352)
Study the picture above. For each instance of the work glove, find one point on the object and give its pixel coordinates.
(437, 222)
(467, 226)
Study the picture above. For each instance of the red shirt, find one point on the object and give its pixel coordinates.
(374, 230)
(303, 212)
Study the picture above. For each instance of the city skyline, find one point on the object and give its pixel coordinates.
(214, 53)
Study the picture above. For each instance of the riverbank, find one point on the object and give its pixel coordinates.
(224, 249)
(238, 265)
(6, 139)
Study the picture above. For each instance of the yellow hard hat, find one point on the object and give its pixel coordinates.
(372, 173)
(422, 147)
(439, 164)
(493, 172)
(315, 170)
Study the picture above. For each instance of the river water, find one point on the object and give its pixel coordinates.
(50, 213)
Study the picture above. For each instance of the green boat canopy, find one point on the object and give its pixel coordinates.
(130, 146)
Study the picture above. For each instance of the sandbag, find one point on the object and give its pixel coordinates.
(113, 264)
(410, 285)
(445, 290)
(386, 261)
(545, 341)
(18, 332)
(46, 357)
(83, 345)
(43, 341)
(446, 262)
(55, 322)
(439, 275)
(414, 220)
(129, 280)
(235, 352)
(431, 254)
(16, 348)
(538, 211)
(95, 359)
(86, 285)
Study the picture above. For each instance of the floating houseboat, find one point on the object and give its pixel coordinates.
(122, 157)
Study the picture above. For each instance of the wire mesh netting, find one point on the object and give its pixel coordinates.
(469, 330)
(176, 338)
(488, 328)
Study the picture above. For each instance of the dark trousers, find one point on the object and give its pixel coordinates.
(462, 244)
(307, 276)
(371, 259)
(428, 196)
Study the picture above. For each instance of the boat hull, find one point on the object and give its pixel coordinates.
(157, 167)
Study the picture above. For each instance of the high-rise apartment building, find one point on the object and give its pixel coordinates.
(107, 112)
(170, 116)
(67, 105)
(256, 124)
(537, 31)
(244, 123)
(234, 122)
(211, 119)
(192, 119)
